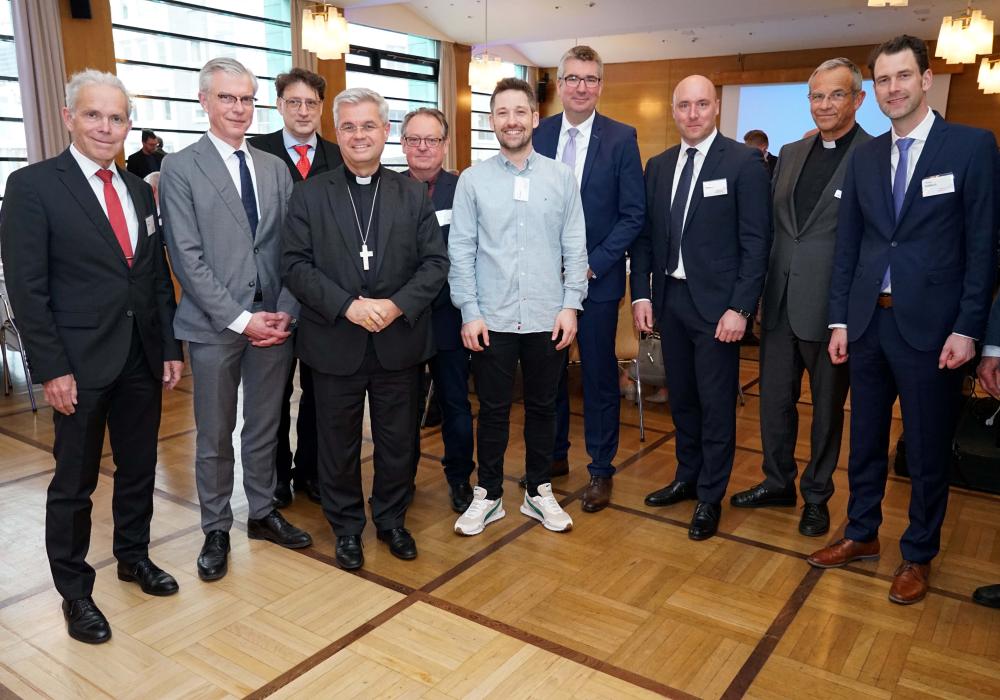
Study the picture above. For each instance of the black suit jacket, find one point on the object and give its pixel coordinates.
(770, 162)
(322, 268)
(726, 238)
(74, 296)
(326, 158)
(138, 163)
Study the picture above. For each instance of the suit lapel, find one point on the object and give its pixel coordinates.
(266, 186)
(826, 199)
(796, 161)
(883, 174)
(712, 160)
(388, 193)
(211, 165)
(319, 159)
(592, 148)
(670, 168)
(72, 177)
(139, 205)
(546, 140)
(343, 214)
(935, 139)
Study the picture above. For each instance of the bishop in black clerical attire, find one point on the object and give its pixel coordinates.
(365, 256)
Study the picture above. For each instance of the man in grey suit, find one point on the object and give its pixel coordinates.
(223, 205)
(806, 191)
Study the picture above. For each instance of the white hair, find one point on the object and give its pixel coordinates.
(229, 66)
(354, 96)
(88, 77)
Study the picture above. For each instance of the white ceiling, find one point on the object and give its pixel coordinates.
(638, 30)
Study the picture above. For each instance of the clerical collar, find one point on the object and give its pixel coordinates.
(361, 180)
(842, 141)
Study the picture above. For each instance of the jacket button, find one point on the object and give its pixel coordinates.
(129, 313)
(893, 244)
(252, 283)
(256, 250)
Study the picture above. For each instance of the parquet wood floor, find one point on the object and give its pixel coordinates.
(624, 606)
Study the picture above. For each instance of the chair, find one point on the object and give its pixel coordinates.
(10, 337)
(627, 349)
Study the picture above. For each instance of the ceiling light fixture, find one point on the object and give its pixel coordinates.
(485, 70)
(989, 75)
(324, 32)
(888, 3)
(962, 38)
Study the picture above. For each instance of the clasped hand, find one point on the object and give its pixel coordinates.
(267, 328)
(374, 315)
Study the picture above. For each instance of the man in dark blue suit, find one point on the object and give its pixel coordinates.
(604, 155)
(705, 243)
(912, 280)
(425, 143)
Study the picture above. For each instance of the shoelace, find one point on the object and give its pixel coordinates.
(549, 503)
(477, 508)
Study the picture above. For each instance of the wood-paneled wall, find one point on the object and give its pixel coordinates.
(88, 43)
(639, 93)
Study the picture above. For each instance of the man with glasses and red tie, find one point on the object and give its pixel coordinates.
(307, 154)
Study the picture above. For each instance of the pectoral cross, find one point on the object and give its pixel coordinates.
(365, 255)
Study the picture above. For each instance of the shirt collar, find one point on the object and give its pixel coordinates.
(583, 127)
(224, 149)
(88, 166)
(703, 146)
(291, 141)
(842, 142)
(921, 131)
(528, 164)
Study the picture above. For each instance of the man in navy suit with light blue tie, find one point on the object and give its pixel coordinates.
(604, 155)
(911, 289)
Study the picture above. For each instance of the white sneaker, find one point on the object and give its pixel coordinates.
(544, 507)
(480, 513)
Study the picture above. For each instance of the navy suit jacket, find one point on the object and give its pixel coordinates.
(614, 199)
(326, 158)
(941, 249)
(446, 319)
(727, 238)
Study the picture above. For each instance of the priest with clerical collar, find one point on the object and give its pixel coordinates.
(365, 256)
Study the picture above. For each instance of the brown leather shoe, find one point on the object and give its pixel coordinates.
(598, 494)
(910, 583)
(843, 552)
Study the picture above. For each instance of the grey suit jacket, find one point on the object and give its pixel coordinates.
(214, 255)
(801, 261)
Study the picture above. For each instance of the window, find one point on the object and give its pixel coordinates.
(13, 147)
(484, 141)
(403, 68)
(160, 45)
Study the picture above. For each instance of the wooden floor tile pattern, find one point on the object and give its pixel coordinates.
(623, 606)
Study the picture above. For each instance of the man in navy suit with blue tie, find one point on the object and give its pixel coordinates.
(604, 155)
(911, 288)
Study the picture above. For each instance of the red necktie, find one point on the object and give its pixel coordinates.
(303, 165)
(116, 215)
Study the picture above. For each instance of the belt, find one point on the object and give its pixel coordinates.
(885, 301)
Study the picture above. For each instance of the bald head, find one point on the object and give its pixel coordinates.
(695, 108)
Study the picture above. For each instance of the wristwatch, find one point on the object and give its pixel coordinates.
(741, 312)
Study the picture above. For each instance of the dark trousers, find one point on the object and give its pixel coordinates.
(494, 369)
(882, 366)
(702, 383)
(450, 370)
(130, 408)
(340, 406)
(305, 429)
(596, 333)
(783, 358)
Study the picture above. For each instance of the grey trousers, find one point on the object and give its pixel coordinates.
(217, 371)
(783, 357)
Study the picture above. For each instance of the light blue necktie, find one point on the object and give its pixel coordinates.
(898, 190)
(569, 151)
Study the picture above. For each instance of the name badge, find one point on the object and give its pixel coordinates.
(938, 184)
(444, 217)
(837, 194)
(150, 225)
(521, 188)
(714, 188)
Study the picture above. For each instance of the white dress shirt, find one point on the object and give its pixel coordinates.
(699, 160)
(582, 143)
(291, 142)
(232, 163)
(90, 169)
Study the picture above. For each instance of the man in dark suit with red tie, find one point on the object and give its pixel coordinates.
(910, 294)
(307, 154)
(90, 288)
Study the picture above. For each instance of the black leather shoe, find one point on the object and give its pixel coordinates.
(311, 489)
(705, 522)
(85, 622)
(274, 528)
(282, 494)
(213, 560)
(461, 496)
(151, 579)
(400, 542)
(560, 467)
(674, 492)
(815, 520)
(760, 496)
(349, 554)
(988, 596)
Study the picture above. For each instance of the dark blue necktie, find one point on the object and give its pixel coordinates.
(246, 193)
(677, 209)
(898, 191)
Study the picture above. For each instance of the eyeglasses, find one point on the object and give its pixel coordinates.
(351, 129)
(415, 141)
(835, 96)
(296, 103)
(92, 116)
(590, 81)
(229, 100)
